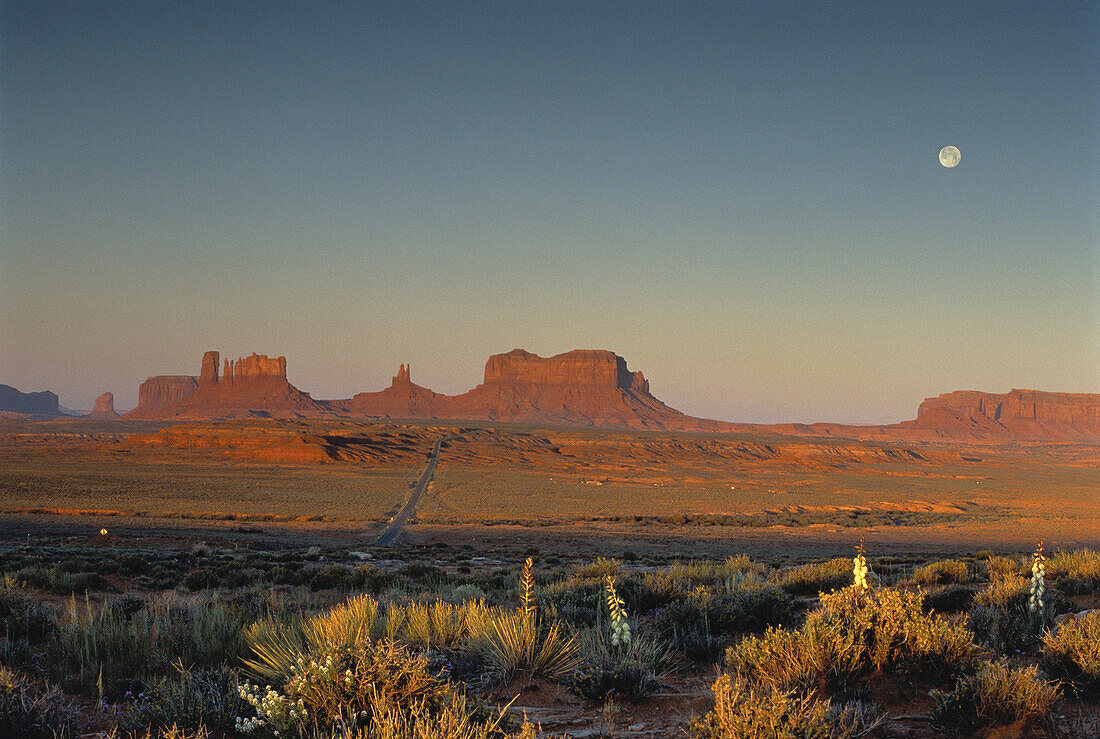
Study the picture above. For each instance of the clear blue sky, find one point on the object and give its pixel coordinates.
(743, 199)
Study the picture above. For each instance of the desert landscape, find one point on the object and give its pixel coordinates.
(561, 482)
(549, 370)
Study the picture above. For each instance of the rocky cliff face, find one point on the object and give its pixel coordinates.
(1020, 414)
(160, 392)
(104, 408)
(42, 403)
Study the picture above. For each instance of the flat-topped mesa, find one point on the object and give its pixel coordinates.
(104, 408)
(584, 386)
(591, 368)
(1020, 414)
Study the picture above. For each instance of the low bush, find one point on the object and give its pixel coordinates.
(943, 572)
(950, 599)
(1002, 629)
(854, 633)
(702, 625)
(742, 712)
(23, 617)
(193, 700)
(995, 694)
(1072, 650)
(58, 582)
(344, 687)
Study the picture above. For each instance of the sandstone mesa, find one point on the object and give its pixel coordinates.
(587, 388)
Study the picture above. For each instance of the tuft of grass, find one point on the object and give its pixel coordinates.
(1082, 564)
(943, 572)
(812, 579)
(1072, 650)
(107, 651)
(996, 693)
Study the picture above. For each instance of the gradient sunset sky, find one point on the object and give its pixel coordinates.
(742, 199)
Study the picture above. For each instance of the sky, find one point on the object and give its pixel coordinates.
(742, 199)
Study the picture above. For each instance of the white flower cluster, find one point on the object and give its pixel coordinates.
(271, 709)
(620, 629)
(1038, 583)
(860, 570)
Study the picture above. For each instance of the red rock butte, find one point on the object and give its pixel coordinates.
(587, 388)
(104, 408)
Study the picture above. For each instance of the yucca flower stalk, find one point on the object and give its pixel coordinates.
(860, 568)
(620, 629)
(527, 590)
(1038, 584)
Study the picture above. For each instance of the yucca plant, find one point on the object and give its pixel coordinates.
(620, 629)
(518, 640)
(1037, 588)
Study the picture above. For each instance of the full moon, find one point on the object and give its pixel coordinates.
(950, 156)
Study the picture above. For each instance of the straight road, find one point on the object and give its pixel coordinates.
(402, 517)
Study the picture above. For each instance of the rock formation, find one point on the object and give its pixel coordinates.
(589, 388)
(104, 408)
(42, 403)
(581, 387)
(402, 399)
(250, 386)
(1019, 414)
(160, 392)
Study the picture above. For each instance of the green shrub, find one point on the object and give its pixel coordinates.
(55, 581)
(1003, 629)
(1072, 650)
(599, 569)
(742, 712)
(950, 599)
(23, 617)
(995, 694)
(812, 579)
(943, 572)
(193, 700)
(702, 626)
(1005, 568)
